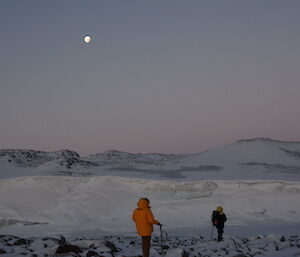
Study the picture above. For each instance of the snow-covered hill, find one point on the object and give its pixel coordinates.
(32, 158)
(250, 159)
(113, 157)
(244, 159)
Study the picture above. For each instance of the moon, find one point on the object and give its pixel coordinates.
(87, 39)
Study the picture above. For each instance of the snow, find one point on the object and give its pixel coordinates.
(88, 200)
(106, 202)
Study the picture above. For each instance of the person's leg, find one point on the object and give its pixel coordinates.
(220, 233)
(146, 245)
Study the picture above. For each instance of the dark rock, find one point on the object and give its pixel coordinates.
(185, 254)
(22, 241)
(67, 248)
(282, 239)
(2, 251)
(62, 240)
(91, 253)
(111, 246)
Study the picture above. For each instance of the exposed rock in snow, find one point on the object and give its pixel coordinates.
(270, 245)
(32, 158)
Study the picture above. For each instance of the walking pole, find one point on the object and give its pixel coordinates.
(161, 245)
(212, 231)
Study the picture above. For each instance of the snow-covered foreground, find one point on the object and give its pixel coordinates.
(271, 246)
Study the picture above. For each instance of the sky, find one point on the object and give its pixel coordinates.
(158, 76)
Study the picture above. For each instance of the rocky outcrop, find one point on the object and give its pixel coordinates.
(32, 158)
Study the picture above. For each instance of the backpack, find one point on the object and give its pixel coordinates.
(214, 218)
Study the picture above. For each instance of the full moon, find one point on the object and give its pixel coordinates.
(87, 39)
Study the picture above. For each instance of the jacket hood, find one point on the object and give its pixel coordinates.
(143, 203)
(219, 209)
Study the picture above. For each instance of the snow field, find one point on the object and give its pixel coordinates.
(67, 204)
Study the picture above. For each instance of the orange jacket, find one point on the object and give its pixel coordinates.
(143, 218)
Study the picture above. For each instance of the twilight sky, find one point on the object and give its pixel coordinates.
(159, 76)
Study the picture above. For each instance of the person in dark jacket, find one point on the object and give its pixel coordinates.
(218, 219)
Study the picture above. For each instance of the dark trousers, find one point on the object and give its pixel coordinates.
(146, 240)
(220, 233)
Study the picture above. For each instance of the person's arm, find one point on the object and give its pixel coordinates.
(150, 218)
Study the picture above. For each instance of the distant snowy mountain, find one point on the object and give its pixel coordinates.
(117, 157)
(71, 159)
(250, 159)
(260, 158)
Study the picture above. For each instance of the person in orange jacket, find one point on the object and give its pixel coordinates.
(144, 220)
